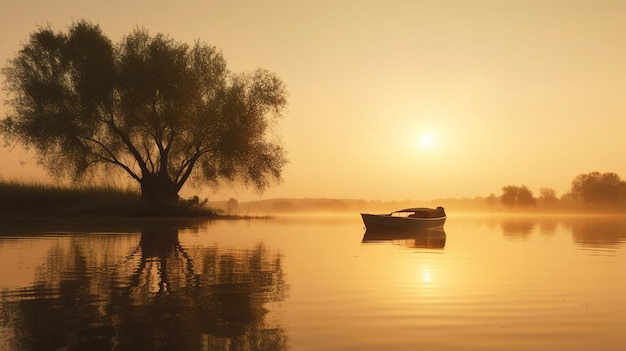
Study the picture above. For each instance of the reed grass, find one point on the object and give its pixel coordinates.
(21, 199)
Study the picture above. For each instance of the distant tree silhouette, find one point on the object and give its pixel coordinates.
(161, 111)
(232, 205)
(568, 197)
(491, 201)
(517, 196)
(547, 197)
(597, 188)
(547, 194)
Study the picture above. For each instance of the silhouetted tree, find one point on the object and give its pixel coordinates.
(517, 196)
(597, 188)
(232, 205)
(547, 194)
(160, 110)
(491, 201)
(547, 197)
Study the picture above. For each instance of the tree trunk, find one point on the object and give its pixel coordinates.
(158, 189)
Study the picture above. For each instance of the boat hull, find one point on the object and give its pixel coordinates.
(388, 222)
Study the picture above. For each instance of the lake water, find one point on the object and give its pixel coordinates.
(314, 283)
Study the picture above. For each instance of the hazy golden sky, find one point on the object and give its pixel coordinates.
(396, 100)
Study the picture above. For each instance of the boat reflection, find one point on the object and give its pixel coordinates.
(428, 238)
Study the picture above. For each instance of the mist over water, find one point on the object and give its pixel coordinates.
(315, 283)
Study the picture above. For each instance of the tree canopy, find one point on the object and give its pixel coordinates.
(160, 110)
(517, 196)
(597, 188)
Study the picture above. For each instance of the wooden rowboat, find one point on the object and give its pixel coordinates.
(406, 219)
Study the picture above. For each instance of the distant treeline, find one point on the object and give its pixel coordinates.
(593, 191)
(284, 205)
(328, 205)
(589, 192)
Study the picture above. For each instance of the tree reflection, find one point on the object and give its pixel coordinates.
(599, 232)
(548, 226)
(518, 227)
(161, 296)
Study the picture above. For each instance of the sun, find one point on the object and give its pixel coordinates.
(424, 141)
(427, 140)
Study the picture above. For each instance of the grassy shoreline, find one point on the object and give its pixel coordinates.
(22, 200)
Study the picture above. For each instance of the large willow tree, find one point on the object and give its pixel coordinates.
(162, 111)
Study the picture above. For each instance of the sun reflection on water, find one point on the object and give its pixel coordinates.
(426, 274)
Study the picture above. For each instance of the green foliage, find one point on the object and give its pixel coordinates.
(161, 111)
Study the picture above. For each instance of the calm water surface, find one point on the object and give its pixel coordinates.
(314, 283)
